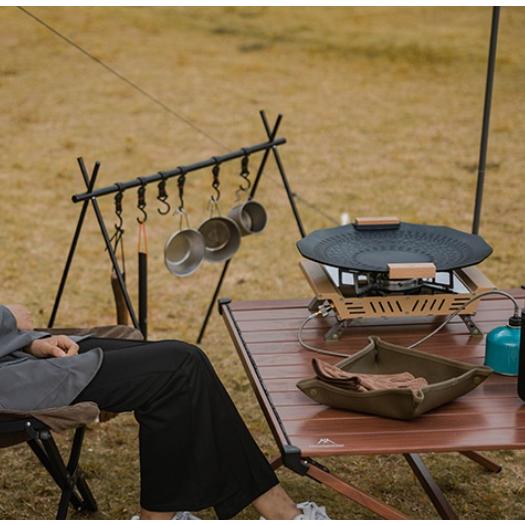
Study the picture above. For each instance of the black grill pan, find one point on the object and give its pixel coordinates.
(359, 250)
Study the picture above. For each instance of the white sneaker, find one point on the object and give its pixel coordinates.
(185, 515)
(181, 515)
(311, 511)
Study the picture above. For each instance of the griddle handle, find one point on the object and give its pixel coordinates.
(411, 271)
(376, 223)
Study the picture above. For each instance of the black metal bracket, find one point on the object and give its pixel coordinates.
(222, 302)
(293, 459)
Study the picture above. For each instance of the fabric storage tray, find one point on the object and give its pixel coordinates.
(447, 380)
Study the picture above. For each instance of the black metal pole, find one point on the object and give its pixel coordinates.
(109, 247)
(272, 136)
(133, 183)
(486, 119)
(90, 184)
(255, 184)
(284, 178)
(212, 302)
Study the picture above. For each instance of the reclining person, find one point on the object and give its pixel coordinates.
(195, 451)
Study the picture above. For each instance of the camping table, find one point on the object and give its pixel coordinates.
(491, 417)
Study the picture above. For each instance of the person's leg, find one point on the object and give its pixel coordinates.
(109, 343)
(195, 451)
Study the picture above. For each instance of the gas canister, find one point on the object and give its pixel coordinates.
(502, 351)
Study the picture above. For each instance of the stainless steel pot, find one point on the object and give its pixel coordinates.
(222, 238)
(250, 216)
(184, 250)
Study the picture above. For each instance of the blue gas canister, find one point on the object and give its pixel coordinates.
(502, 351)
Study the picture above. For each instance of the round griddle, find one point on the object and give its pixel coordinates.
(358, 250)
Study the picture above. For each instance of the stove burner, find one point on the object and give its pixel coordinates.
(357, 284)
(383, 283)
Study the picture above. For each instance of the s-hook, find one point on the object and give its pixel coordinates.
(119, 230)
(246, 183)
(141, 202)
(163, 195)
(216, 170)
(180, 184)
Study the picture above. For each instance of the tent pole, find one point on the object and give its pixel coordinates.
(486, 119)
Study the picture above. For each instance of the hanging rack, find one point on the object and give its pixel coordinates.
(176, 172)
(91, 195)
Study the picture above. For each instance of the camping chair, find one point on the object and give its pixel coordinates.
(36, 429)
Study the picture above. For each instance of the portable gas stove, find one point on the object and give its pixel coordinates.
(381, 267)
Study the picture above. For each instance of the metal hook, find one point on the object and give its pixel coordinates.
(180, 184)
(163, 195)
(141, 204)
(119, 230)
(118, 208)
(216, 181)
(245, 172)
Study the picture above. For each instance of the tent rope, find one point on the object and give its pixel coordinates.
(119, 75)
(155, 99)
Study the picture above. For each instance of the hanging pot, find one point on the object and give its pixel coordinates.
(184, 250)
(250, 216)
(222, 238)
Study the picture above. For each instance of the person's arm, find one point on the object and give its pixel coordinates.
(53, 346)
(16, 333)
(22, 316)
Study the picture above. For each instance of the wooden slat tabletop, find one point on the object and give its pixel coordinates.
(491, 417)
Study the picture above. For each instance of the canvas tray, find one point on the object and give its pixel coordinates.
(447, 380)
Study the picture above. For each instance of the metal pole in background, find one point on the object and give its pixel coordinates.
(284, 178)
(486, 119)
(90, 184)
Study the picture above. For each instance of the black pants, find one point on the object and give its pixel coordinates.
(195, 451)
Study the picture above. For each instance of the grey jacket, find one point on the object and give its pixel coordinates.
(28, 383)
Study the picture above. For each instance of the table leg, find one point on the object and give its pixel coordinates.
(482, 460)
(432, 489)
(353, 493)
(276, 462)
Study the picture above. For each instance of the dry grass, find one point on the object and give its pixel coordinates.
(382, 114)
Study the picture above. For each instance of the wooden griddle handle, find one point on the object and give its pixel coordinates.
(376, 223)
(411, 270)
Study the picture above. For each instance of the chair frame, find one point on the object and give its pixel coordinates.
(68, 477)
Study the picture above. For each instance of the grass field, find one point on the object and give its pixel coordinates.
(382, 116)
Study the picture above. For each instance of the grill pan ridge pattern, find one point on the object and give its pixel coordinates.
(351, 249)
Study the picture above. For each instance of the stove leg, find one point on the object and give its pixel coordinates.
(335, 332)
(473, 328)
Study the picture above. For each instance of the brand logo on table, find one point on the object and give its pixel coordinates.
(328, 443)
